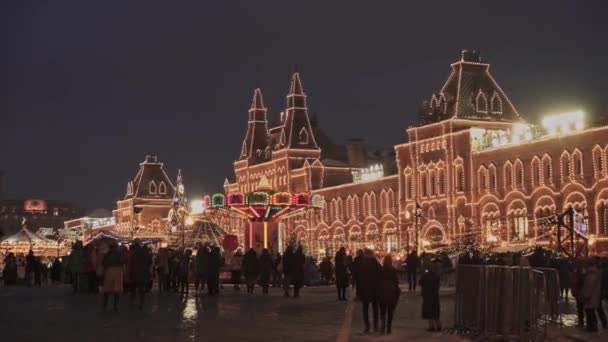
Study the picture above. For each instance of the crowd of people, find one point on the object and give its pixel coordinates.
(113, 269)
(31, 270)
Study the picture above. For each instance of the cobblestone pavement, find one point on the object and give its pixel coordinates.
(54, 314)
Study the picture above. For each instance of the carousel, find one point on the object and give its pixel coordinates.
(24, 240)
(263, 209)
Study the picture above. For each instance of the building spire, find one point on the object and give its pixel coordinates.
(257, 103)
(296, 96)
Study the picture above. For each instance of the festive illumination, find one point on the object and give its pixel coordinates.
(217, 200)
(370, 173)
(564, 123)
(196, 207)
(463, 167)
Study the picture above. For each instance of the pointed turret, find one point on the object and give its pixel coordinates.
(297, 129)
(470, 93)
(150, 182)
(257, 137)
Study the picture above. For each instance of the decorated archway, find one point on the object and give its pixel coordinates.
(433, 235)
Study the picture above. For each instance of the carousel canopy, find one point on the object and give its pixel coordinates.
(25, 236)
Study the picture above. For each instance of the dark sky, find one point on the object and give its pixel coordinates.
(88, 88)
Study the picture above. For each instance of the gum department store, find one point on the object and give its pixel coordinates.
(473, 170)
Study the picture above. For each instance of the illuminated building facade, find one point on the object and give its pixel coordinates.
(38, 213)
(473, 168)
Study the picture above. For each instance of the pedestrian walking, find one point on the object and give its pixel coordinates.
(113, 263)
(286, 268)
(162, 269)
(202, 267)
(368, 287)
(184, 272)
(251, 269)
(297, 270)
(214, 264)
(9, 273)
(412, 262)
(341, 273)
(327, 271)
(56, 269)
(236, 263)
(388, 295)
(76, 266)
(266, 267)
(140, 273)
(592, 296)
(575, 283)
(277, 271)
(430, 283)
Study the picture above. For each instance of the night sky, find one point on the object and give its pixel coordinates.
(88, 88)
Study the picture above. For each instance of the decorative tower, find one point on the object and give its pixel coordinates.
(297, 131)
(257, 138)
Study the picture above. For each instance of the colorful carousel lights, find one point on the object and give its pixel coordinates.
(262, 205)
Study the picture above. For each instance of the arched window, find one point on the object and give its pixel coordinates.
(519, 226)
(564, 161)
(577, 160)
(496, 104)
(482, 179)
(481, 102)
(547, 170)
(602, 217)
(152, 188)
(408, 186)
(357, 206)
(432, 183)
(535, 176)
(423, 184)
(374, 204)
(459, 178)
(598, 162)
(519, 174)
(508, 174)
(391, 201)
(442, 182)
(303, 136)
(162, 188)
(493, 178)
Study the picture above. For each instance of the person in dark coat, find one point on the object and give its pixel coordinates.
(184, 271)
(113, 264)
(266, 267)
(563, 270)
(276, 273)
(286, 268)
(327, 271)
(56, 269)
(355, 268)
(341, 273)
(202, 265)
(140, 273)
(31, 267)
(412, 262)
(9, 273)
(251, 269)
(297, 270)
(368, 287)
(430, 283)
(76, 266)
(388, 294)
(215, 262)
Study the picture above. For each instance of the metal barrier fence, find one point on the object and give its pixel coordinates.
(503, 301)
